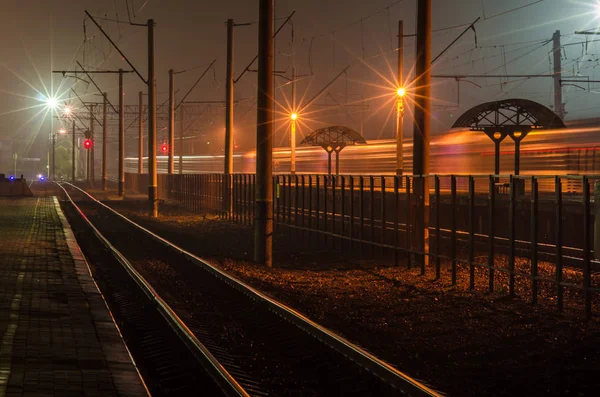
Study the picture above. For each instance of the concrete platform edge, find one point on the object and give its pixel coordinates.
(120, 363)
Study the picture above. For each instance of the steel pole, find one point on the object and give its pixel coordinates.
(181, 138)
(228, 167)
(92, 176)
(121, 136)
(152, 177)
(422, 116)
(557, 75)
(73, 155)
(171, 143)
(141, 134)
(263, 232)
(104, 139)
(53, 157)
(400, 103)
(293, 126)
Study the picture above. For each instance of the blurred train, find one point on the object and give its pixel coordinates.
(552, 152)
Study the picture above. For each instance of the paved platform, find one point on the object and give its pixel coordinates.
(57, 335)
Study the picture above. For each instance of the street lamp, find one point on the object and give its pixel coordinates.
(400, 93)
(51, 102)
(293, 117)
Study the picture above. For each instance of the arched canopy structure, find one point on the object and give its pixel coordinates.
(510, 117)
(334, 139)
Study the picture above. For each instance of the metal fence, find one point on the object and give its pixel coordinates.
(535, 229)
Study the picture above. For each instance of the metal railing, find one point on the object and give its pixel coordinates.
(507, 225)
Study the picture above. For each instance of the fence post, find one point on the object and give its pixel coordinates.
(372, 213)
(351, 189)
(343, 210)
(333, 179)
(586, 249)
(559, 264)
(361, 210)
(511, 236)
(438, 237)
(471, 232)
(310, 209)
(326, 181)
(296, 204)
(383, 217)
(491, 252)
(318, 209)
(533, 237)
(396, 218)
(407, 236)
(453, 227)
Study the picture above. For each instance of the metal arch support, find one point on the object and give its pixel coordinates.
(334, 139)
(514, 118)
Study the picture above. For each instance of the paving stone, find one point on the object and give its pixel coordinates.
(58, 338)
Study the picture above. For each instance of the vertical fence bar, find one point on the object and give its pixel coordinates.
(245, 198)
(277, 203)
(533, 238)
(296, 203)
(234, 196)
(318, 208)
(326, 181)
(361, 210)
(511, 237)
(310, 209)
(253, 195)
(203, 193)
(559, 225)
(351, 191)
(383, 217)
(289, 203)
(343, 210)
(198, 192)
(491, 248)
(396, 219)
(333, 179)
(303, 207)
(453, 226)
(471, 232)
(423, 228)
(372, 213)
(285, 204)
(587, 294)
(407, 235)
(438, 237)
(274, 195)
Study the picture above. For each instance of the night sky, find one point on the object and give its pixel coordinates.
(39, 36)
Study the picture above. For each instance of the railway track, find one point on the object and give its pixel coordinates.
(246, 339)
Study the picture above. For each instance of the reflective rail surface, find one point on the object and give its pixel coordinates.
(402, 383)
(227, 384)
(471, 220)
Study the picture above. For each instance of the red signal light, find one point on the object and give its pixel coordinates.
(87, 144)
(164, 148)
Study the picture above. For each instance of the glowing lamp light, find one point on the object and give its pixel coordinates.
(62, 131)
(401, 92)
(12, 177)
(52, 102)
(42, 178)
(164, 148)
(294, 116)
(87, 144)
(67, 110)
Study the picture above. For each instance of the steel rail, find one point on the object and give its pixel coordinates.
(384, 371)
(219, 374)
